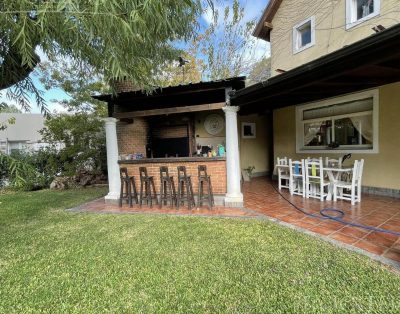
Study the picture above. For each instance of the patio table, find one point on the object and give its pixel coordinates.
(333, 175)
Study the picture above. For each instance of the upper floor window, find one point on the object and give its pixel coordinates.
(358, 11)
(304, 35)
(339, 125)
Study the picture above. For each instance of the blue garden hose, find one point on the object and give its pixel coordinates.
(336, 215)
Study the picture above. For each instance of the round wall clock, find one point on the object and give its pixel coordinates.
(214, 124)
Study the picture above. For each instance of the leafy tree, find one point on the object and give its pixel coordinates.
(83, 138)
(118, 38)
(6, 108)
(226, 45)
(78, 84)
(183, 71)
(260, 71)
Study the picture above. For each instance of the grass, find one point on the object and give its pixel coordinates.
(54, 261)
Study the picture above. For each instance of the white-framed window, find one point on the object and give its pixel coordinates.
(358, 11)
(304, 35)
(339, 125)
(248, 130)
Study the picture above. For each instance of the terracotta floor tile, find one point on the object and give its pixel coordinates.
(353, 231)
(290, 218)
(303, 224)
(393, 254)
(391, 226)
(322, 230)
(343, 238)
(331, 224)
(380, 238)
(370, 247)
(311, 220)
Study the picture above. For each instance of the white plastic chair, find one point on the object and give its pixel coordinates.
(297, 177)
(316, 183)
(354, 185)
(331, 162)
(283, 172)
(316, 159)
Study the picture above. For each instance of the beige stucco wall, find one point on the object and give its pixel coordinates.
(381, 170)
(254, 151)
(202, 136)
(331, 33)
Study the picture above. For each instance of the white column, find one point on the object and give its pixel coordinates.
(114, 183)
(234, 196)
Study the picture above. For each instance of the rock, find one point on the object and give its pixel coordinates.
(85, 180)
(58, 184)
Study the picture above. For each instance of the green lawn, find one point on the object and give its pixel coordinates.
(57, 261)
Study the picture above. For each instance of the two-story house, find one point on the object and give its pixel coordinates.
(335, 85)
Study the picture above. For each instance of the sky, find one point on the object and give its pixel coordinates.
(253, 10)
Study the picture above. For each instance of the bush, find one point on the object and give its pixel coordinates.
(84, 142)
(29, 170)
(76, 145)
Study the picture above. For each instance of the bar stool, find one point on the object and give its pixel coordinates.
(167, 188)
(204, 179)
(184, 185)
(147, 188)
(127, 184)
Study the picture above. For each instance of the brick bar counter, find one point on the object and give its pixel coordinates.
(216, 168)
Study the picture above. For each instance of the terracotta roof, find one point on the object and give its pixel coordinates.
(264, 26)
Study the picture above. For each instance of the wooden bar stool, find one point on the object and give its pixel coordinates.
(185, 188)
(128, 186)
(204, 179)
(147, 188)
(167, 188)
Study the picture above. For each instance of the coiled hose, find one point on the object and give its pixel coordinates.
(336, 215)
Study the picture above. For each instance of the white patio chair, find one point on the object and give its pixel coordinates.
(283, 172)
(317, 184)
(354, 185)
(296, 177)
(331, 162)
(315, 159)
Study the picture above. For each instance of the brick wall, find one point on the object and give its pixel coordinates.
(217, 170)
(123, 85)
(174, 131)
(132, 138)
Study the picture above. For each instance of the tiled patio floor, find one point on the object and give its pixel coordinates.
(375, 211)
(262, 201)
(218, 211)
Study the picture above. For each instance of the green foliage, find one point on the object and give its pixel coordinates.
(47, 165)
(6, 108)
(226, 45)
(83, 138)
(118, 38)
(79, 83)
(250, 170)
(260, 71)
(20, 174)
(172, 74)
